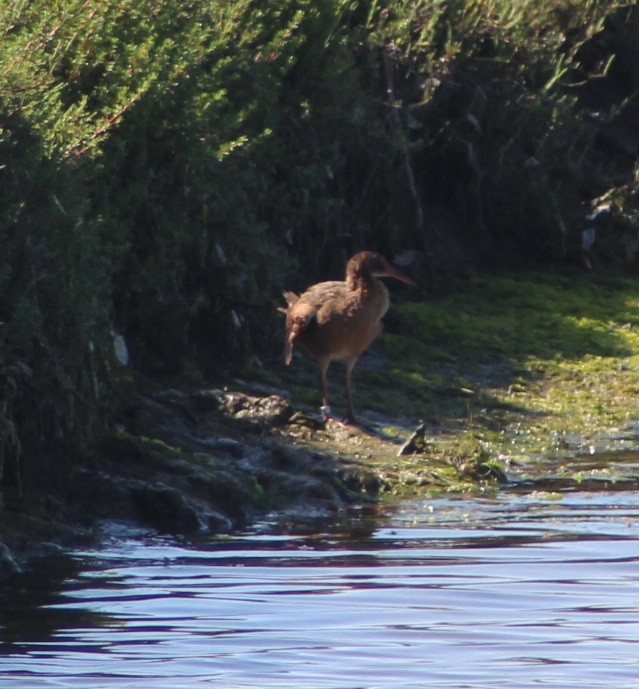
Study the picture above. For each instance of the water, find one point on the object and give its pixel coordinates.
(518, 591)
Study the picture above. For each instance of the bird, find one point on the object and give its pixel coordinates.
(338, 320)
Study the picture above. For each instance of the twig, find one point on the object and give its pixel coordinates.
(398, 128)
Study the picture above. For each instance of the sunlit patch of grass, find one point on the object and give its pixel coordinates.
(565, 349)
(520, 360)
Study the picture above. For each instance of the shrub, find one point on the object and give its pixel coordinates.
(166, 166)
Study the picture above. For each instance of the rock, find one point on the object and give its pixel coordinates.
(273, 410)
(415, 443)
(225, 445)
(165, 508)
(184, 497)
(183, 463)
(207, 400)
(216, 522)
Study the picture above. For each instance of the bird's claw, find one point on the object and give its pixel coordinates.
(325, 412)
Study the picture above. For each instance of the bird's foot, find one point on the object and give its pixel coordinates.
(349, 421)
(327, 416)
(325, 412)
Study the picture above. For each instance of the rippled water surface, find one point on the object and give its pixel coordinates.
(519, 591)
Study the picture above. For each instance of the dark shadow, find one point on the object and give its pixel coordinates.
(33, 605)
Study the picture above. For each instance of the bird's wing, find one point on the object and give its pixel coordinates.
(302, 311)
(323, 294)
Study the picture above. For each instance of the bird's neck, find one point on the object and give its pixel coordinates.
(356, 281)
(370, 295)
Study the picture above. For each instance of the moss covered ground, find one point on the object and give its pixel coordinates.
(500, 369)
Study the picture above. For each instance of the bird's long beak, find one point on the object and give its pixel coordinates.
(394, 272)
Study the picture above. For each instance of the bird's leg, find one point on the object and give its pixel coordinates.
(350, 413)
(325, 409)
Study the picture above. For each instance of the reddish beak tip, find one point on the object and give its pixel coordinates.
(398, 274)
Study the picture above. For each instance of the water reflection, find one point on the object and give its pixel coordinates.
(525, 590)
(32, 605)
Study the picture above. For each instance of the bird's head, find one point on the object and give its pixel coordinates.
(370, 263)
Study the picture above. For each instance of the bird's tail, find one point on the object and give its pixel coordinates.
(292, 330)
(292, 333)
(288, 347)
(291, 298)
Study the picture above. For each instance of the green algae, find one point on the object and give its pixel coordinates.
(516, 362)
(551, 352)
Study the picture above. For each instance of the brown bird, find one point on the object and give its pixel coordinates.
(338, 320)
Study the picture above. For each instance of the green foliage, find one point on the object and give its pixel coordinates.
(166, 165)
(497, 143)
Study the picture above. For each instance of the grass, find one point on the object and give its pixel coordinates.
(519, 360)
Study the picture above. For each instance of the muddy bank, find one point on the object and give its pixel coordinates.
(213, 461)
(178, 462)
